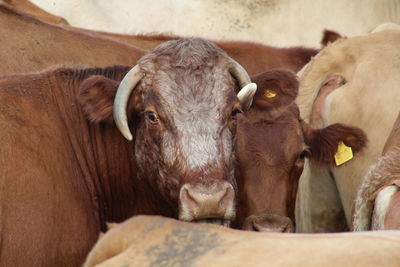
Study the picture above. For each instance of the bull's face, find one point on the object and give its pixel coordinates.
(186, 114)
(184, 140)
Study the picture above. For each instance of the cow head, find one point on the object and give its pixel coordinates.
(181, 104)
(272, 144)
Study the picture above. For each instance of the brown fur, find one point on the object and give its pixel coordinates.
(33, 10)
(32, 45)
(280, 82)
(325, 141)
(254, 57)
(96, 96)
(272, 143)
(258, 136)
(45, 50)
(71, 175)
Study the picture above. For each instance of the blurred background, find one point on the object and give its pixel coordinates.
(273, 22)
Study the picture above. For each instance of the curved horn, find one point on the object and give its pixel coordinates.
(124, 90)
(248, 89)
(239, 73)
(246, 95)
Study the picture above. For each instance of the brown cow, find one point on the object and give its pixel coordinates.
(254, 57)
(49, 39)
(36, 45)
(62, 174)
(38, 42)
(47, 48)
(29, 45)
(378, 199)
(33, 10)
(272, 144)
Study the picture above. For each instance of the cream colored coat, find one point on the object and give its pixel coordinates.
(273, 22)
(370, 99)
(156, 241)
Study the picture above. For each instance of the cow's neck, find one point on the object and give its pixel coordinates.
(105, 158)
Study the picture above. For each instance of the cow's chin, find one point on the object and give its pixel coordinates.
(217, 221)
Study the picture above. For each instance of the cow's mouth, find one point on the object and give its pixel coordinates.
(217, 221)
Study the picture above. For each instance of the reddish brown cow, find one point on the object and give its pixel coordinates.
(254, 57)
(377, 206)
(29, 45)
(62, 177)
(272, 144)
(33, 10)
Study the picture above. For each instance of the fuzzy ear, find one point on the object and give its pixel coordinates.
(324, 142)
(275, 89)
(96, 95)
(329, 36)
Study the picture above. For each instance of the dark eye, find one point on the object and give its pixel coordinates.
(235, 112)
(305, 153)
(152, 116)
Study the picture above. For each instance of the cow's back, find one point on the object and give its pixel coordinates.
(156, 241)
(47, 211)
(30, 45)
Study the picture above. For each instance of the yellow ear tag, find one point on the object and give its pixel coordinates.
(269, 94)
(343, 154)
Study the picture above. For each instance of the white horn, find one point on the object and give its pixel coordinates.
(248, 90)
(246, 95)
(124, 91)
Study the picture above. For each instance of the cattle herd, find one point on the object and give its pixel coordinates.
(196, 136)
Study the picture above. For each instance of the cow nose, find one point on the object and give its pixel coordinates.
(214, 204)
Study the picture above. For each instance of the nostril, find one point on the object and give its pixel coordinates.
(188, 200)
(227, 198)
(198, 202)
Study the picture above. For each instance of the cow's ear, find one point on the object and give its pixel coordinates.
(275, 89)
(329, 36)
(96, 95)
(324, 143)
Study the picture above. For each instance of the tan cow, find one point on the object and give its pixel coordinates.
(378, 200)
(157, 241)
(353, 81)
(281, 23)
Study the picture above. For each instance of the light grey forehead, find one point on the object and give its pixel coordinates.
(186, 53)
(188, 72)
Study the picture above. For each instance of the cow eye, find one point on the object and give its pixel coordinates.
(235, 112)
(152, 116)
(304, 154)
